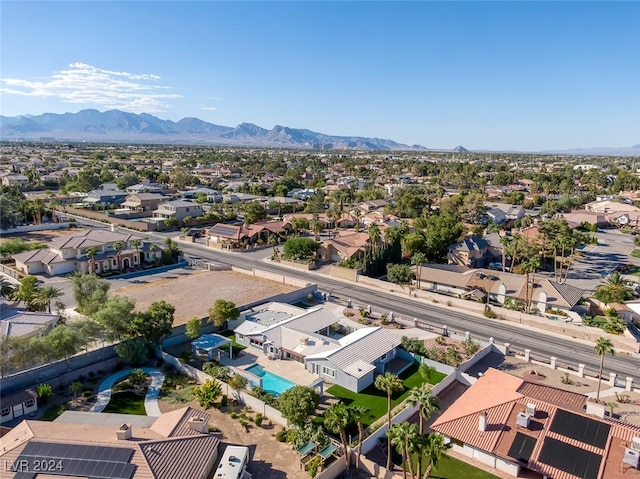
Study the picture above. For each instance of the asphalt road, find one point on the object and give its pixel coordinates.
(542, 344)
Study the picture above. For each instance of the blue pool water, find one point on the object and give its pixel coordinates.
(271, 383)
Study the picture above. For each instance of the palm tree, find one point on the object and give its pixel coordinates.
(530, 266)
(418, 260)
(47, 294)
(403, 435)
(614, 290)
(389, 383)
(336, 419)
(435, 448)
(602, 347)
(428, 404)
(152, 249)
(357, 214)
(136, 244)
(332, 216)
(316, 226)
(358, 413)
(374, 233)
(6, 288)
(505, 242)
(118, 246)
(91, 254)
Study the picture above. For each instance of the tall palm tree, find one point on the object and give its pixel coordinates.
(316, 226)
(403, 435)
(47, 294)
(336, 419)
(118, 246)
(418, 260)
(614, 290)
(435, 448)
(602, 347)
(136, 243)
(91, 254)
(531, 265)
(389, 383)
(374, 233)
(357, 214)
(428, 404)
(358, 413)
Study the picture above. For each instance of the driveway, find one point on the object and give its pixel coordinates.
(599, 260)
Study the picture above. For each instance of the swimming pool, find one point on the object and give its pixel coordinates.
(271, 383)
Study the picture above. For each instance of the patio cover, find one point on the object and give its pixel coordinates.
(307, 448)
(209, 343)
(327, 451)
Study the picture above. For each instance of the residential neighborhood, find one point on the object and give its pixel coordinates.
(235, 312)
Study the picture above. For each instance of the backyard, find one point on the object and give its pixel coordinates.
(376, 400)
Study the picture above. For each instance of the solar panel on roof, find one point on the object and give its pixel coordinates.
(522, 447)
(584, 429)
(570, 459)
(95, 462)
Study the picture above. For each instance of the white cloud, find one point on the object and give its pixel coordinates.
(215, 98)
(83, 83)
(210, 108)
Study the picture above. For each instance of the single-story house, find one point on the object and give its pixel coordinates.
(105, 197)
(16, 322)
(175, 445)
(498, 287)
(224, 235)
(14, 179)
(17, 405)
(358, 357)
(517, 426)
(343, 245)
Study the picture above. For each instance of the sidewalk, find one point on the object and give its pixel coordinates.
(150, 400)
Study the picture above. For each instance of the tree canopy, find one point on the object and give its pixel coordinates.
(298, 403)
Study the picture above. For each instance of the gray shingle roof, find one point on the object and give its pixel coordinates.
(180, 457)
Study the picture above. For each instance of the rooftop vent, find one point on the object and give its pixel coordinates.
(124, 432)
(531, 409)
(635, 443)
(631, 458)
(198, 424)
(482, 421)
(523, 419)
(304, 340)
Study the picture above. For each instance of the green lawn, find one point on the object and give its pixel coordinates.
(236, 347)
(376, 400)
(127, 402)
(636, 253)
(452, 468)
(52, 412)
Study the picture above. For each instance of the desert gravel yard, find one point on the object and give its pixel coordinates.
(194, 293)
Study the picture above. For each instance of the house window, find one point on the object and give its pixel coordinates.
(5, 411)
(328, 372)
(383, 357)
(29, 402)
(115, 262)
(239, 336)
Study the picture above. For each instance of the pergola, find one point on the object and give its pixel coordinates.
(209, 343)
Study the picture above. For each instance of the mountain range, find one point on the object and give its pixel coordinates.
(120, 126)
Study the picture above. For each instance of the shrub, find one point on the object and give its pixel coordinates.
(258, 420)
(490, 313)
(45, 392)
(234, 415)
(281, 435)
(238, 382)
(224, 401)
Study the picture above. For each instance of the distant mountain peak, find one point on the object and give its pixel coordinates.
(120, 126)
(460, 149)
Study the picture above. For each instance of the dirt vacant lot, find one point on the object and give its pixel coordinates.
(193, 294)
(43, 236)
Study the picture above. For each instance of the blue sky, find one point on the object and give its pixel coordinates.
(485, 75)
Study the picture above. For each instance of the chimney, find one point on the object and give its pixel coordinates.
(198, 424)
(124, 432)
(482, 421)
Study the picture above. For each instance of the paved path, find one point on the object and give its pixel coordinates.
(150, 400)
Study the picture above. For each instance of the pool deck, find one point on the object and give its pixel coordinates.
(288, 369)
